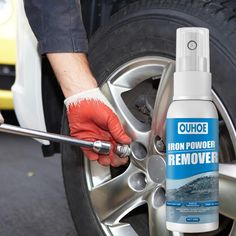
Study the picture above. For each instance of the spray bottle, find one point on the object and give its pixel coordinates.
(192, 139)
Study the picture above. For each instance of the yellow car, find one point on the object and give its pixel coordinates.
(7, 52)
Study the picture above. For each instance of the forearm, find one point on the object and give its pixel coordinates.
(61, 36)
(72, 72)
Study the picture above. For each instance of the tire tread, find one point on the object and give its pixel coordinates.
(219, 13)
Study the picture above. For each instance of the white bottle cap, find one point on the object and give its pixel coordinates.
(192, 49)
(192, 79)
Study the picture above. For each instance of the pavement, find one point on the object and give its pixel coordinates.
(32, 195)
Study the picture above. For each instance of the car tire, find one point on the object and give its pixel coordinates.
(146, 28)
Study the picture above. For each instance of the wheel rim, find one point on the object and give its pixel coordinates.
(144, 179)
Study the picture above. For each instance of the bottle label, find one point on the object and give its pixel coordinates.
(192, 170)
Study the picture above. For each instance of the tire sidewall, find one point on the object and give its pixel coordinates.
(129, 35)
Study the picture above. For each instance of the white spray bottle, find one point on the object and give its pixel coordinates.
(192, 139)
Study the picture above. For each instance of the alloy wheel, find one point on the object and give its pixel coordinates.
(143, 181)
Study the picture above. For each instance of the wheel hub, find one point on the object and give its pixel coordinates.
(154, 165)
(156, 169)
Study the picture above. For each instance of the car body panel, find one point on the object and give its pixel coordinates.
(27, 87)
(6, 99)
(8, 35)
(7, 49)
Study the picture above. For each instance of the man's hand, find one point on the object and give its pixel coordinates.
(91, 117)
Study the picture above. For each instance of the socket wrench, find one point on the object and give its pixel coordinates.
(99, 146)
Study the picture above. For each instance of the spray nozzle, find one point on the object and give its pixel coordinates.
(192, 50)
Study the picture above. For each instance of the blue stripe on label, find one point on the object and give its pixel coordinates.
(192, 219)
(176, 204)
(192, 204)
(211, 203)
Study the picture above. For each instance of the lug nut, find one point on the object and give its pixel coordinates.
(156, 168)
(138, 150)
(159, 144)
(159, 197)
(138, 182)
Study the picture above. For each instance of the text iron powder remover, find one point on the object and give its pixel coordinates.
(192, 139)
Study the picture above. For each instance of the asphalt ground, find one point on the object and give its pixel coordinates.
(32, 195)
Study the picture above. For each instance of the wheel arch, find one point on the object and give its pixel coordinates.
(97, 13)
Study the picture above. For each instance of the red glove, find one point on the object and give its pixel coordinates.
(91, 117)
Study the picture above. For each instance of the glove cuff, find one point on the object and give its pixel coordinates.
(92, 94)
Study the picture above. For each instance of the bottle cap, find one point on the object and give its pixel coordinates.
(192, 79)
(192, 49)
